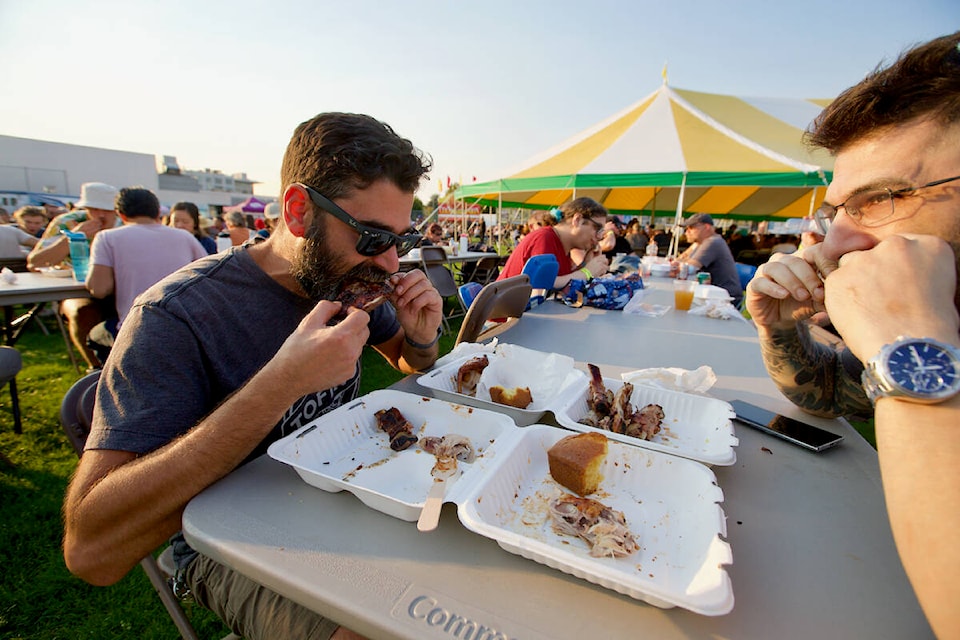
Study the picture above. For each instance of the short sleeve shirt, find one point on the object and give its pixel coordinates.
(536, 243)
(196, 337)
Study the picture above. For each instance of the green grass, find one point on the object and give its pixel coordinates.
(39, 599)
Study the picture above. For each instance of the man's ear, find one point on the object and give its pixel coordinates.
(295, 210)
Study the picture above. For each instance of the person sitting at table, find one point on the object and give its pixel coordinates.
(15, 242)
(236, 223)
(182, 402)
(542, 218)
(126, 261)
(93, 211)
(434, 235)
(613, 241)
(711, 255)
(581, 224)
(186, 216)
(31, 219)
(886, 270)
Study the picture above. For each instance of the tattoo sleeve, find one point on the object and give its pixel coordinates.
(811, 373)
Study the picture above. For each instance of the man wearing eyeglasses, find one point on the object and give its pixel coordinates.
(241, 348)
(885, 276)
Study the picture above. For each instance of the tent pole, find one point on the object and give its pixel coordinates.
(675, 241)
(499, 221)
(813, 201)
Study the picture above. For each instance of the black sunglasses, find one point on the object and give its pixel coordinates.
(372, 241)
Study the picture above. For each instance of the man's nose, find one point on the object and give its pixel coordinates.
(845, 236)
(389, 261)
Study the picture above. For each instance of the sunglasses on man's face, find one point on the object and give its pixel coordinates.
(372, 241)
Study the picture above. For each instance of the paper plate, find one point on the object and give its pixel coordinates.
(695, 427)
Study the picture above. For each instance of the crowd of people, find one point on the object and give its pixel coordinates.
(122, 264)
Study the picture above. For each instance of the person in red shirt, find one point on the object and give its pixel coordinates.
(580, 226)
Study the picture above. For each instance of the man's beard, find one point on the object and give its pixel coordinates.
(317, 268)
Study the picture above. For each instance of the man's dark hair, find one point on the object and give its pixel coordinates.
(137, 202)
(337, 153)
(923, 83)
(586, 207)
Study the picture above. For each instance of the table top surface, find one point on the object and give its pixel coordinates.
(813, 555)
(469, 256)
(33, 287)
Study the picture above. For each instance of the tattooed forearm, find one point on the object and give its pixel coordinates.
(810, 373)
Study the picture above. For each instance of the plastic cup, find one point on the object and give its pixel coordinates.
(683, 294)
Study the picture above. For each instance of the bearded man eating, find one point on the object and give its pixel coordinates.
(238, 349)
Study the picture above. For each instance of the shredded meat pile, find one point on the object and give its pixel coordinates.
(448, 449)
(603, 528)
(613, 412)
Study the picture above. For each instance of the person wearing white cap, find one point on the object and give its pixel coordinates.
(271, 216)
(95, 210)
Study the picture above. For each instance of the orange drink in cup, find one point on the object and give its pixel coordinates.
(683, 294)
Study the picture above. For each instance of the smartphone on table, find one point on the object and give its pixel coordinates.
(789, 429)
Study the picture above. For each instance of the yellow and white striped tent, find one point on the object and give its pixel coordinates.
(723, 155)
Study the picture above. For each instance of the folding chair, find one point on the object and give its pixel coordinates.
(434, 261)
(76, 416)
(468, 292)
(543, 271)
(746, 273)
(503, 300)
(483, 271)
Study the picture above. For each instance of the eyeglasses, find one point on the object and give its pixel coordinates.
(596, 225)
(870, 208)
(372, 241)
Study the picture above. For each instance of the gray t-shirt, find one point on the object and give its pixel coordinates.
(714, 254)
(193, 339)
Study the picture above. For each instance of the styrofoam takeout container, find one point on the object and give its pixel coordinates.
(344, 450)
(670, 504)
(707, 293)
(695, 427)
(548, 376)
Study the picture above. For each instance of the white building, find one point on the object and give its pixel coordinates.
(34, 171)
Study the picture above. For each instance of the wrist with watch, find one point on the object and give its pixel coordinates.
(921, 370)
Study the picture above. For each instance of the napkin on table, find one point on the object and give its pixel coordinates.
(674, 379)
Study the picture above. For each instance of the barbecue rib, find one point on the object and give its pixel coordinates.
(397, 427)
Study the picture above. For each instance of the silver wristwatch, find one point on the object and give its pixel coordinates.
(913, 369)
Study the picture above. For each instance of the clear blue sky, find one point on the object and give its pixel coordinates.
(480, 86)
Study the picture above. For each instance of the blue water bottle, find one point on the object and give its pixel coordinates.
(79, 254)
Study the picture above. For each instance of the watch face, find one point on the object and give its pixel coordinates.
(923, 370)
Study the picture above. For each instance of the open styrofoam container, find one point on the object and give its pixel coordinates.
(344, 450)
(671, 504)
(695, 427)
(547, 375)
